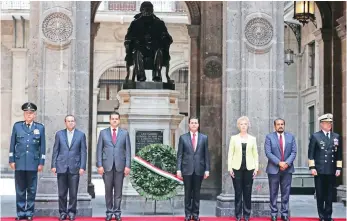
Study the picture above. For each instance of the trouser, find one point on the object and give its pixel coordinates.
(26, 186)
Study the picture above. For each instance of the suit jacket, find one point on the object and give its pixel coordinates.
(189, 161)
(28, 146)
(108, 153)
(74, 156)
(325, 155)
(273, 152)
(235, 153)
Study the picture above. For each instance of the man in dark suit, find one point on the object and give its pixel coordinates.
(325, 163)
(26, 157)
(113, 156)
(69, 160)
(280, 149)
(193, 164)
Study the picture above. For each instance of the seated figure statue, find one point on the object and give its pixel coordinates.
(147, 45)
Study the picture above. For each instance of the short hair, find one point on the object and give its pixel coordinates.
(193, 118)
(284, 122)
(69, 115)
(243, 118)
(114, 113)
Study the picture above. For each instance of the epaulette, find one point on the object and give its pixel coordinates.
(19, 122)
(39, 123)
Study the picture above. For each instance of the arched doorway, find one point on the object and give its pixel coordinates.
(194, 33)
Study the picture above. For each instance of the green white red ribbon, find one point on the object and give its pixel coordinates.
(157, 170)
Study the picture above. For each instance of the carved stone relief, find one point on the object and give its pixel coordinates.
(213, 67)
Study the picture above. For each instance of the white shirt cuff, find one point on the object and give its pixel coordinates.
(207, 173)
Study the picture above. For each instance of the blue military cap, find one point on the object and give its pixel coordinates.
(29, 107)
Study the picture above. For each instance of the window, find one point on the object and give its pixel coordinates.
(311, 62)
(111, 82)
(311, 120)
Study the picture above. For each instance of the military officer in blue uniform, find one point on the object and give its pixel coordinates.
(325, 163)
(27, 157)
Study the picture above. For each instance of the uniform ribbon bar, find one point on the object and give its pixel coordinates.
(157, 170)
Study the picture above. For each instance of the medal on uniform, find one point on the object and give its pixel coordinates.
(36, 131)
(336, 142)
(322, 143)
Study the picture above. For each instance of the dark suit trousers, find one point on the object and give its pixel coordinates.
(283, 180)
(113, 191)
(243, 183)
(324, 185)
(26, 186)
(68, 182)
(192, 185)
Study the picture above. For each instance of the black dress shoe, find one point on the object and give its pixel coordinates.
(29, 218)
(108, 217)
(273, 218)
(72, 217)
(238, 219)
(62, 217)
(187, 218)
(196, 218)
(246, 218)
(285, 218)
(118, 218)
(20, 218)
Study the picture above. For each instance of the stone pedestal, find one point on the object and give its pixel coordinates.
(59, 85)
(149, 110)
(253, 85)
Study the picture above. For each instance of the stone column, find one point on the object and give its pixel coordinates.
(91, 128)
(59, 85)
(194, 70)
(253, 85)
(19, 73)
(341, 32)
(211, 91)
(324, 42)
(95, 125)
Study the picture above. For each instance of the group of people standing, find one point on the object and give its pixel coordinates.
(113, 160)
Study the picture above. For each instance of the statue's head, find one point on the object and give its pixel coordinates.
(146, 9)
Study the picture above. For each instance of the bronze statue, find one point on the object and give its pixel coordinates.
(147, 45)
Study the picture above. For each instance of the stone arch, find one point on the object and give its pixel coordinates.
(100, 69)
(193, 7)
(177, 65)
(325, 13)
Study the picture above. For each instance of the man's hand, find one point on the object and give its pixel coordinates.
(179, 175)
(232, 174)
(314, 172)
(54, 170)
(206, 175)
(13, 166)
(283, 166)
(338, 173)
(101, 171)
(39, 168)
(255, 173)
(81, 172)
(126, 171)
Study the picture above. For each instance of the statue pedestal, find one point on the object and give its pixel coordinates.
(150, 116)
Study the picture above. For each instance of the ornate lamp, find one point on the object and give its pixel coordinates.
(288, 56)
(304, 11)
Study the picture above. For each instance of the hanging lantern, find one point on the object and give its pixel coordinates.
(304, 11)
(288, 56)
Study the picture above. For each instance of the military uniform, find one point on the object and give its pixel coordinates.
(27, 151)
(325, 155)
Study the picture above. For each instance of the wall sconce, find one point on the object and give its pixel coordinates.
(289, 56)
(304, 12)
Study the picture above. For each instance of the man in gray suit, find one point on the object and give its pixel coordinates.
(193, 164)
(69, 160)
(280, 149)
(113, 156)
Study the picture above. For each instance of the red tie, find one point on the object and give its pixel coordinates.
(281, 146)
(193, 141)
(114, 136)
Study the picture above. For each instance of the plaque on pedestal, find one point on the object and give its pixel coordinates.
(144, 138)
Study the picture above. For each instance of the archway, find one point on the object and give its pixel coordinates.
(194, 33)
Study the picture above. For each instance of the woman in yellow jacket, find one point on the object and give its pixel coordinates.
(243, 167)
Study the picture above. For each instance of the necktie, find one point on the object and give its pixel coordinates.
(281, 146)
(114, 136)
(327, 135)
(28, 125)
(69, 138)
(194, 141)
